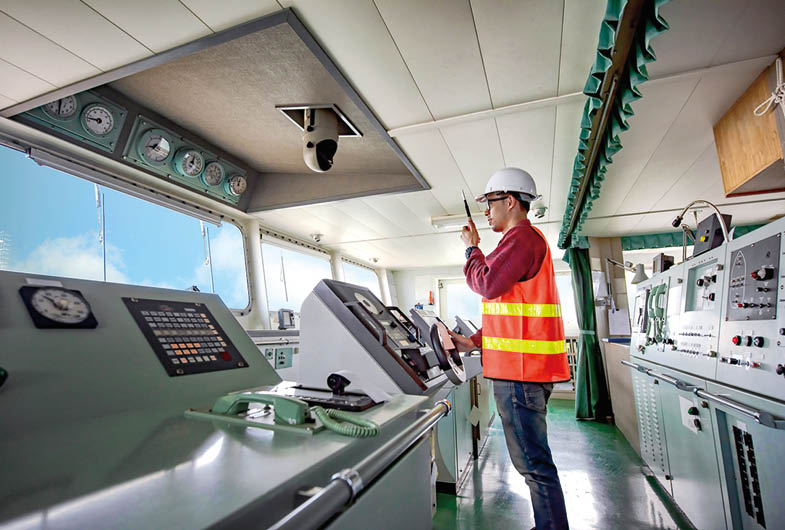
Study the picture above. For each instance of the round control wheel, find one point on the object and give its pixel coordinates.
(448, 358)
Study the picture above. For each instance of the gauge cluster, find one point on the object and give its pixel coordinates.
(155, 148)
(86, 117)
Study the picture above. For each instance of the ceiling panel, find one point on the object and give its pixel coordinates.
(703, 174)
(527, 142)
(158, 24)
(698, 29)
(581, 29)
(763, 20)
(690, 134)
(654, 115)
(20, 85)
(429, 153)
(383, 224)
(222, 15)
(6, 102)
(475, 147)
(565, 147)
(520, 33)
(355, 37)
(26, 49)
(436, 41)
(399, 210)
(105, 46)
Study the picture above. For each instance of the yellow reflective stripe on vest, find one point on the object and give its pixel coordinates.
(544, 347)
(521, 310)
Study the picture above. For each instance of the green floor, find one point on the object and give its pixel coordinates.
(599, 471)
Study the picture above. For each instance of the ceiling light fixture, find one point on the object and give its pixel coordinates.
(454, 221)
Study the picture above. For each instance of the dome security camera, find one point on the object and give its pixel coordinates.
(320, 139)
(538, 207)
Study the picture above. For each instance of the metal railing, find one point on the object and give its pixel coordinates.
(345, 485)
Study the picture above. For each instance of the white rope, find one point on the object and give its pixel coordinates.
(777, 96)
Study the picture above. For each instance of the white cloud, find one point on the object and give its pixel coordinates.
(73, 257)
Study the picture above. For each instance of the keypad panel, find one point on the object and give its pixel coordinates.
(185, 336)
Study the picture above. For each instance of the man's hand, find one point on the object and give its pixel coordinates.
(469, 235)
(462, 344)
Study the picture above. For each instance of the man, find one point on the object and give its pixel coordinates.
(522, 334)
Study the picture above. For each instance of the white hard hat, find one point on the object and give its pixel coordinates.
(511, 179)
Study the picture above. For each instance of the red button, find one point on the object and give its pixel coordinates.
(225, 356)
(736, 340)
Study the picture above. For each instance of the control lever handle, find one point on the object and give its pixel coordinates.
(379, 328)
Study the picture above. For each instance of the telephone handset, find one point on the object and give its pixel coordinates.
(447, 354)
(288, 411)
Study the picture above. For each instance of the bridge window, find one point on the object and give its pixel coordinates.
(56, 224)
(361, 276)
(290, 275)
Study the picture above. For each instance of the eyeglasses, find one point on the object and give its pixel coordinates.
(488, 201)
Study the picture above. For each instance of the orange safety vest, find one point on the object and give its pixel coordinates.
(523, 332)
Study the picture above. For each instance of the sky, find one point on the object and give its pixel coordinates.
(50, 224)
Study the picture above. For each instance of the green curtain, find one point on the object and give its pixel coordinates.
(635, 73)
(592, 401)
(669, 239)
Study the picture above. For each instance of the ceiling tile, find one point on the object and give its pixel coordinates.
(222, 15)
(694, 37)
(26, 49)
(353, 34)
(429, 153)
(438, 42)
(527, 142)
(565, 147)
(702, 175)
(399, 210)
(690, 134)
(19, 84)
(363, 214)
(763, 19)
(158, 24)
(105, 46)
(525, 34)
(475, 146)
(581, 30)
(6, 102)
(654, 116)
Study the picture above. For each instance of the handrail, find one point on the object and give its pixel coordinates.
(762, 417)
(345, 485)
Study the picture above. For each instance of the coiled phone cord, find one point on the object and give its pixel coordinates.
(347, 423)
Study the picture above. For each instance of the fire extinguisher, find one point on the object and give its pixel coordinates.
(430, 297)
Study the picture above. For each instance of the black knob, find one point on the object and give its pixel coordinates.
(780, 369)
(758, 342)
(697, 423)
(733, 360)
(693, 411)
(782, 331)
(699, 281)
(711, 296)
(748, 340)
(713, 278)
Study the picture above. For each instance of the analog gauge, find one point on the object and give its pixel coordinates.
(97, 120)
(367, 304)
(62, 109)
(55, 307)
(154, 147)
(236, 185)
(213, 174)
(189, 162)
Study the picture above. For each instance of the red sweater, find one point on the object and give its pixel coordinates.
(518, 257)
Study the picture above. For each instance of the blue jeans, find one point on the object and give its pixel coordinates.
(522, 407)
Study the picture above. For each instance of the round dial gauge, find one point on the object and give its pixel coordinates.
(367, 304)
(97, 120)
(62, 109)
(236, 185)
(213, 174)
(154, 147)
(60, 305)
(189, 162)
